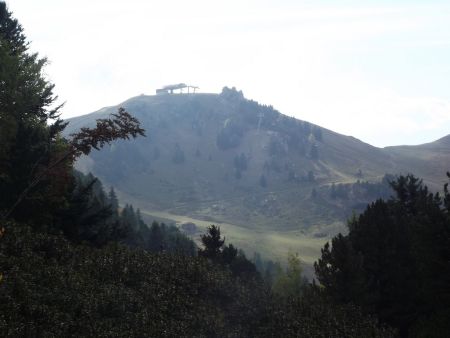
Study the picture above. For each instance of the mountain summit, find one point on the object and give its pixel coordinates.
(224, 158)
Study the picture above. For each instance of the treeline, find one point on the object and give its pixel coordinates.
(361, 190)
(95, 216)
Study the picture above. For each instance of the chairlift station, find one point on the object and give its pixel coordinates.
(170, 89)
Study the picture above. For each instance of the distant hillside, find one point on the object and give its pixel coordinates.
(429, 161)
(223, 158)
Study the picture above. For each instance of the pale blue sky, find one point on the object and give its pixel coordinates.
(376, 70)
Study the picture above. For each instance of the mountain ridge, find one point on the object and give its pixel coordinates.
(223, 158)
(107, 109)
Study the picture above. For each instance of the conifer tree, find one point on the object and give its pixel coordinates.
(29, 121)
(212, 242)
(156, 241)
(114, 202)
(394, 262)
(35, 161)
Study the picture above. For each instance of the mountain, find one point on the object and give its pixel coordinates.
(264, 176)
(429, 161)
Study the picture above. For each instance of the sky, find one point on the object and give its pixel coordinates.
(376, 70)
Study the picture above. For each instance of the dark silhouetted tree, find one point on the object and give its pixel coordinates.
(114, 202)
(212, 243)
(394, 262)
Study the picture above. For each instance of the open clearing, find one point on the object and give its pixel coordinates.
(270, 244)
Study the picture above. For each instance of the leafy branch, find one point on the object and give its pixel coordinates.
(120, 126)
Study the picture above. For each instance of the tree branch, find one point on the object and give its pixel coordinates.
(121, 126)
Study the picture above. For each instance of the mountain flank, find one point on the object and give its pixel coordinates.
(225, 159)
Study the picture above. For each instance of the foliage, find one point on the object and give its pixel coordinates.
(35, 162)
(120, 126)
(54, 288)
(88, 213)
(394, 262)
(39, 186)
(313, 315)
(163, 238)
(29, 123)
(94, 217)
(227, 256)
(212, 242)
(290, 283)
(230, 136)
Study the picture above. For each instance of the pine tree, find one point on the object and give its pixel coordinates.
(212, 242)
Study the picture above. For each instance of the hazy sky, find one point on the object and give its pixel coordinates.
(376, 70)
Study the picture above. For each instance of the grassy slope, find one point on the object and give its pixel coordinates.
(272, 244)
(204, 188)
(430, 161)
